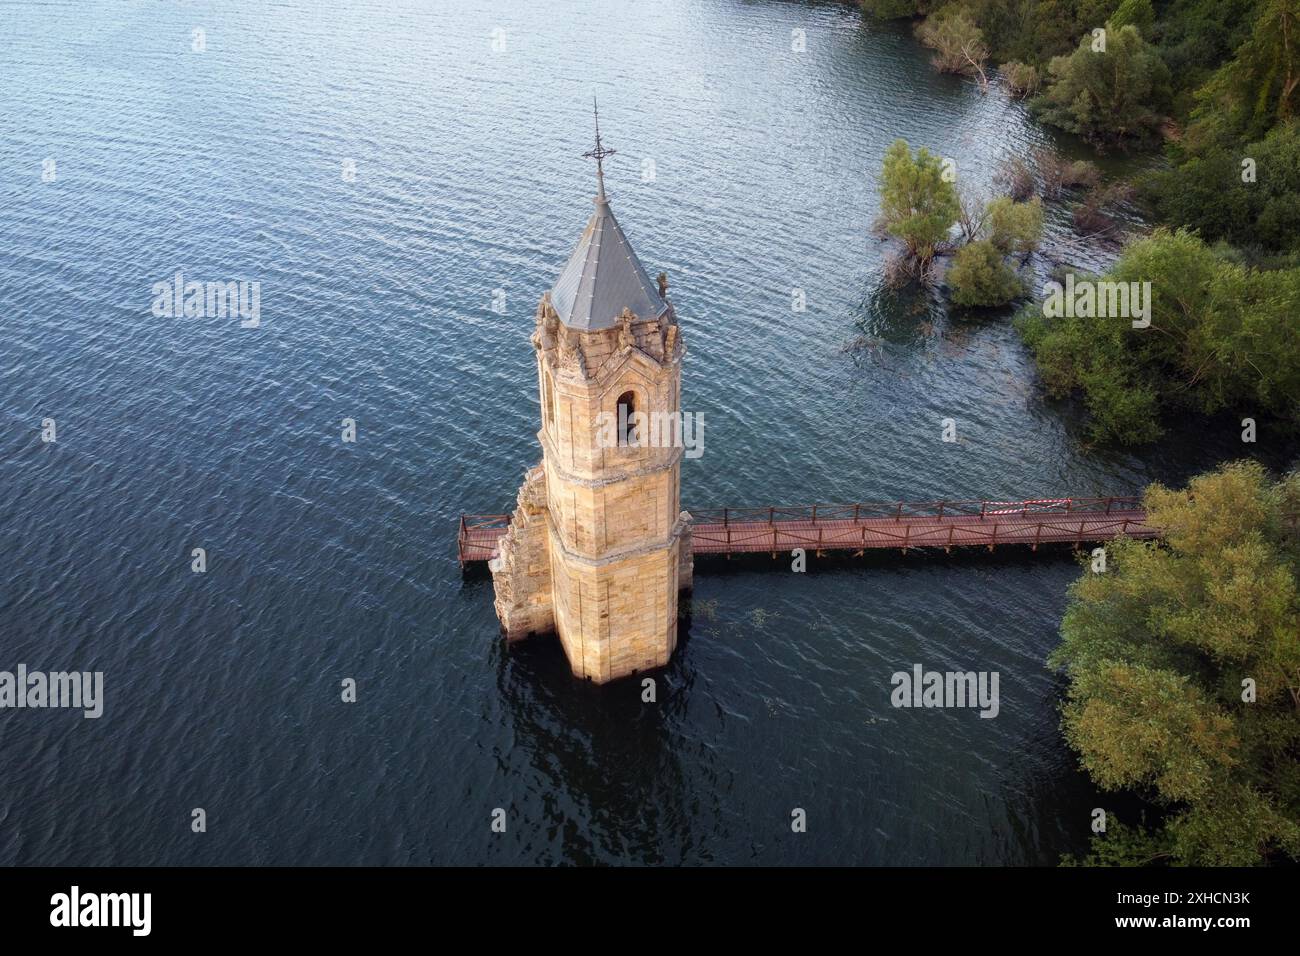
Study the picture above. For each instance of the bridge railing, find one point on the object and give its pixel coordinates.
(754, 536)
(490, 526)
(719, 530)
(898, 510)
(484, 522)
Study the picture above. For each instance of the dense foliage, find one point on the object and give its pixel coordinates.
(1138, 13)
(958, 43)
(917, 204)
(1219, 82)
(1183, 661)
(1222, 335)
(1244, 115)
(1182, 656)
(979, 276)
(1014, 228)
(1248, 196)
(1218, 79)
(1259, 87)
(1114, 93)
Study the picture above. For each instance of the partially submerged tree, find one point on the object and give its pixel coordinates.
(1183, 661)
(1022, 79)
(972, 211)
(1220, 334)
(958, 43)
(1059, 174)
(1110, 93)
(980, 276)
(1096, 214)
(917, 204)
(1015, 228)
(1016, 175)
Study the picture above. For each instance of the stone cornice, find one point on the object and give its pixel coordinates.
(680, 527)
(554, 466)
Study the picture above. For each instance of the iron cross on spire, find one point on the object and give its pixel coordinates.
(599, 154)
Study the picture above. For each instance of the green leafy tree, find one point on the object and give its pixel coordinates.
(979, 276)
(1140, 13)
(1259, 87)
(1160, 652)
(1111, 97)
(1015, 228)
(1220, 334)
(958, 43)
(1196, 37)
(917, 204)
(1207, 192)
(1022, 79)
(1033, 31)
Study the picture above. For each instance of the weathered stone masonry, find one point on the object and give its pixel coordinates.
(598, 547)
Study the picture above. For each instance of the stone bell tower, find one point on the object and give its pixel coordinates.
(598, 546)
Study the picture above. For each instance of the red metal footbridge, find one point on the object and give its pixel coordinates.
(857, 527)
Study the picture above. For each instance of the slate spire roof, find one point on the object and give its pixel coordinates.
(603, 275)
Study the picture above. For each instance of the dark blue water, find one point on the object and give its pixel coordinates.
(330, 560)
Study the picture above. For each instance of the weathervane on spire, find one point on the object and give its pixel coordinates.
(599, 154)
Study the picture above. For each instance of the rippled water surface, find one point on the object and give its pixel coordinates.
(330, 560)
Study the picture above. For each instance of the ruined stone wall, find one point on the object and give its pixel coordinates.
(521, 571)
